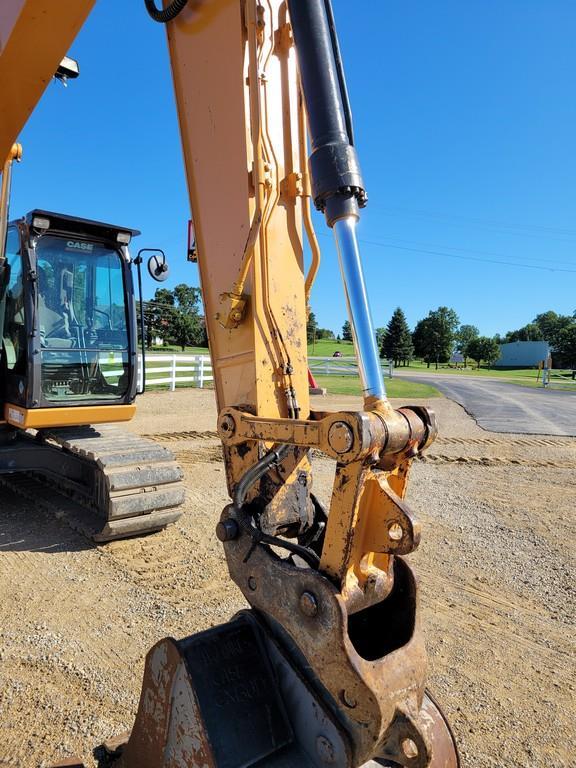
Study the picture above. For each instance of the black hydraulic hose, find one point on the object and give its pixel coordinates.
(340, 70)
(167, 14)
(244, 518)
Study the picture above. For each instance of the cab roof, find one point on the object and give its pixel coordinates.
(61, 222)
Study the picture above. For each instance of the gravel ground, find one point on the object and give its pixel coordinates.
(495, 566)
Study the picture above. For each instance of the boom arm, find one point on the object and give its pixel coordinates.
(35, 35)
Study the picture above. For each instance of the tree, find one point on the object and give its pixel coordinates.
(174, 316)
(565, 347)
(464, 336)
(433, 337)
(311, 328)
(183, 329)
(397, 343)
(346, 331)
(380, 333)
(157, 314)
(529, 332)
(484, 349)
(187, 297)
(560, 332)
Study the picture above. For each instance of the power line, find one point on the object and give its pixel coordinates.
(457, 255)
(530, 230)
(484, 253)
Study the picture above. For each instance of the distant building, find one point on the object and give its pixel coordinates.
(522, 354)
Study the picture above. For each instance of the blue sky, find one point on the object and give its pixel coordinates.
(465, 119)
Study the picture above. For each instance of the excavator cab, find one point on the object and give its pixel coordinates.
(69, 361)
(68, 321)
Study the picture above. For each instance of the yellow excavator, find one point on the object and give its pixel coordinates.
(68, 361)
(327, 667)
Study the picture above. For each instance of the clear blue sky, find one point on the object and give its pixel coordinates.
(465, 118)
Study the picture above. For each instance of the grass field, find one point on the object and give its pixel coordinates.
(350, 385)
(327, 347)
(171, 350)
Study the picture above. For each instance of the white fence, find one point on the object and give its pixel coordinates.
(196, 370)
(170, 370)
(342, 366)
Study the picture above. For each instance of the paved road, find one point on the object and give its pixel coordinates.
(501, 407)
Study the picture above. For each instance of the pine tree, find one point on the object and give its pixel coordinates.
(397, 343)
(311, 328)
(347, 331)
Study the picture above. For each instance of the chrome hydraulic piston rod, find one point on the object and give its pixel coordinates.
(358, 307)
(337, 185)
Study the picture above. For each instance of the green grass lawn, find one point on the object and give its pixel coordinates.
(470, 370)
(172, 349)
(526, 377)
(350, 385)
(327, 347)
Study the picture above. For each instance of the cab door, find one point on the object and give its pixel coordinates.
(13, 357)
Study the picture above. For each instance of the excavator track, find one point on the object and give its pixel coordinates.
(129, 485)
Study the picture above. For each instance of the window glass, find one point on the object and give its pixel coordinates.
(82, 320)
(14, 331)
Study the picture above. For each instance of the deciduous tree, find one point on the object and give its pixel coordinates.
(483, 349)
(434, 336)
(464, 336)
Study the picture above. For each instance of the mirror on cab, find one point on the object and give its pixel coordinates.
(158, 266)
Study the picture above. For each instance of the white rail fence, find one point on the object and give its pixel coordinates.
(342, 366)
(196, 370)
(170, 370)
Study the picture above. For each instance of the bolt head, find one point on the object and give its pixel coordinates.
(227, 530)
(227, 424)
(340, 437)
(348, 700)
(308, 604)
(252, 583)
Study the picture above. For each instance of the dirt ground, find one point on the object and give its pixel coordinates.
(496, 568)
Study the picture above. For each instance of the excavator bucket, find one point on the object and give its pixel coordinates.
(237, 695)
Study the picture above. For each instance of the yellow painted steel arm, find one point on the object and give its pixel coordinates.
(237, 97)
(35, 35)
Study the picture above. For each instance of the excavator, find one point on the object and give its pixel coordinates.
(327, 666)
(68, 362)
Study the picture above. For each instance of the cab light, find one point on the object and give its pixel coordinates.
(38, 222)
(124, 237)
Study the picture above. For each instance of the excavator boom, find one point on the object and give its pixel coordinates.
(35, 35)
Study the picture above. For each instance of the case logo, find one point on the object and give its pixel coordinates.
(77, 245)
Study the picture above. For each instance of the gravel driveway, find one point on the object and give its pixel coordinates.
(495, 568)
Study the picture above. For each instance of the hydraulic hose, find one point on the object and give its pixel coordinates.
(167, 14)
(244, 518)
(340, 70)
